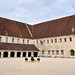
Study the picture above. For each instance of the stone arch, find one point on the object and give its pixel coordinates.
(18, 54)
(5, 54)
(24, 54)
(35, 54)
(12, 54)
(72, 52)
(29, 54)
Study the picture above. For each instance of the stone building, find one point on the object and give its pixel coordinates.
(55, 38)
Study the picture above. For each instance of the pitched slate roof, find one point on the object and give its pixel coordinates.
(13, 28)
(12, 46)
(57, 27)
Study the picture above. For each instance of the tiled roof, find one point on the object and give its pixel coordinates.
(13, 28)
(12, 46)
(57, 27)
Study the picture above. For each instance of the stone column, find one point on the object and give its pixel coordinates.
(26, 54)
(1, 54)
(21, 54)
(32, 53)
(15, 54)
(8, 54)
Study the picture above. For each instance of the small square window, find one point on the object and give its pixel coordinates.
(62, 52)
(55, 40)
(42, 52)
(70, 39)
(60, 40)
(48, 52)
(47, 41)
(65, 40)
(51, 40)
(57, 52)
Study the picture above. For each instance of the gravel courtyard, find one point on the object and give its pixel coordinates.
(47, 66)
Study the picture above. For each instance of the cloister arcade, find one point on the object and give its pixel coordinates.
(18, 54)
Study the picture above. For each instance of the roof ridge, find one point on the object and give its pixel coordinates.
(28, 30)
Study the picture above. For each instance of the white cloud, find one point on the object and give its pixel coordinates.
(34, 11)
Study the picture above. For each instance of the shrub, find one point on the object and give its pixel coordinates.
(32, 58)
(26, 58)
(38, 58)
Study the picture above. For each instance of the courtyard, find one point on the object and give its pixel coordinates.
(47, 66)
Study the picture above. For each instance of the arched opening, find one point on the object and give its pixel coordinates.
(5, 54)
(72, 52)
(35, 54)
(12, 54)
(29, 54)
(24, 54)
(0, 54)
(18, 54)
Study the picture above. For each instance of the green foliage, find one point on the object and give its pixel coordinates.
(26, 58)
(38, 58)
(32, 58)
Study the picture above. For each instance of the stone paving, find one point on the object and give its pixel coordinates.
(47, 66)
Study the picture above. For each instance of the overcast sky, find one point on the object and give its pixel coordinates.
(36, 11)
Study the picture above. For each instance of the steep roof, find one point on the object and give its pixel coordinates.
(13, 28)
(12, 46)
(57, 27)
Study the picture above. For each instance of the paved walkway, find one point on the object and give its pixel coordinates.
(47, 66)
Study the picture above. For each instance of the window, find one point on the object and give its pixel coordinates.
(27, 41)
(55, 40)
(6, 33)
(48, 52)
(12, 40)
(60, 40)
(6, 39)
(41, 42)
(0, 39)
(47, 41)
(18, 40)
(70, 39)
(51, 40)
(62, 52)
(42, 52)
(57, 52)
(23, 41)
(37, 42)
(20, 34)
(65, 40)
(52, 52)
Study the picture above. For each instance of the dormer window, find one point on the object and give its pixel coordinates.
(6, 33)
(20, 34)
(73, 29)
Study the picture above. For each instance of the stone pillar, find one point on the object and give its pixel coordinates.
(26, 54)
(15, 54)
(32, 53)
(21, 54)
(1, 54)
(8, 54)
